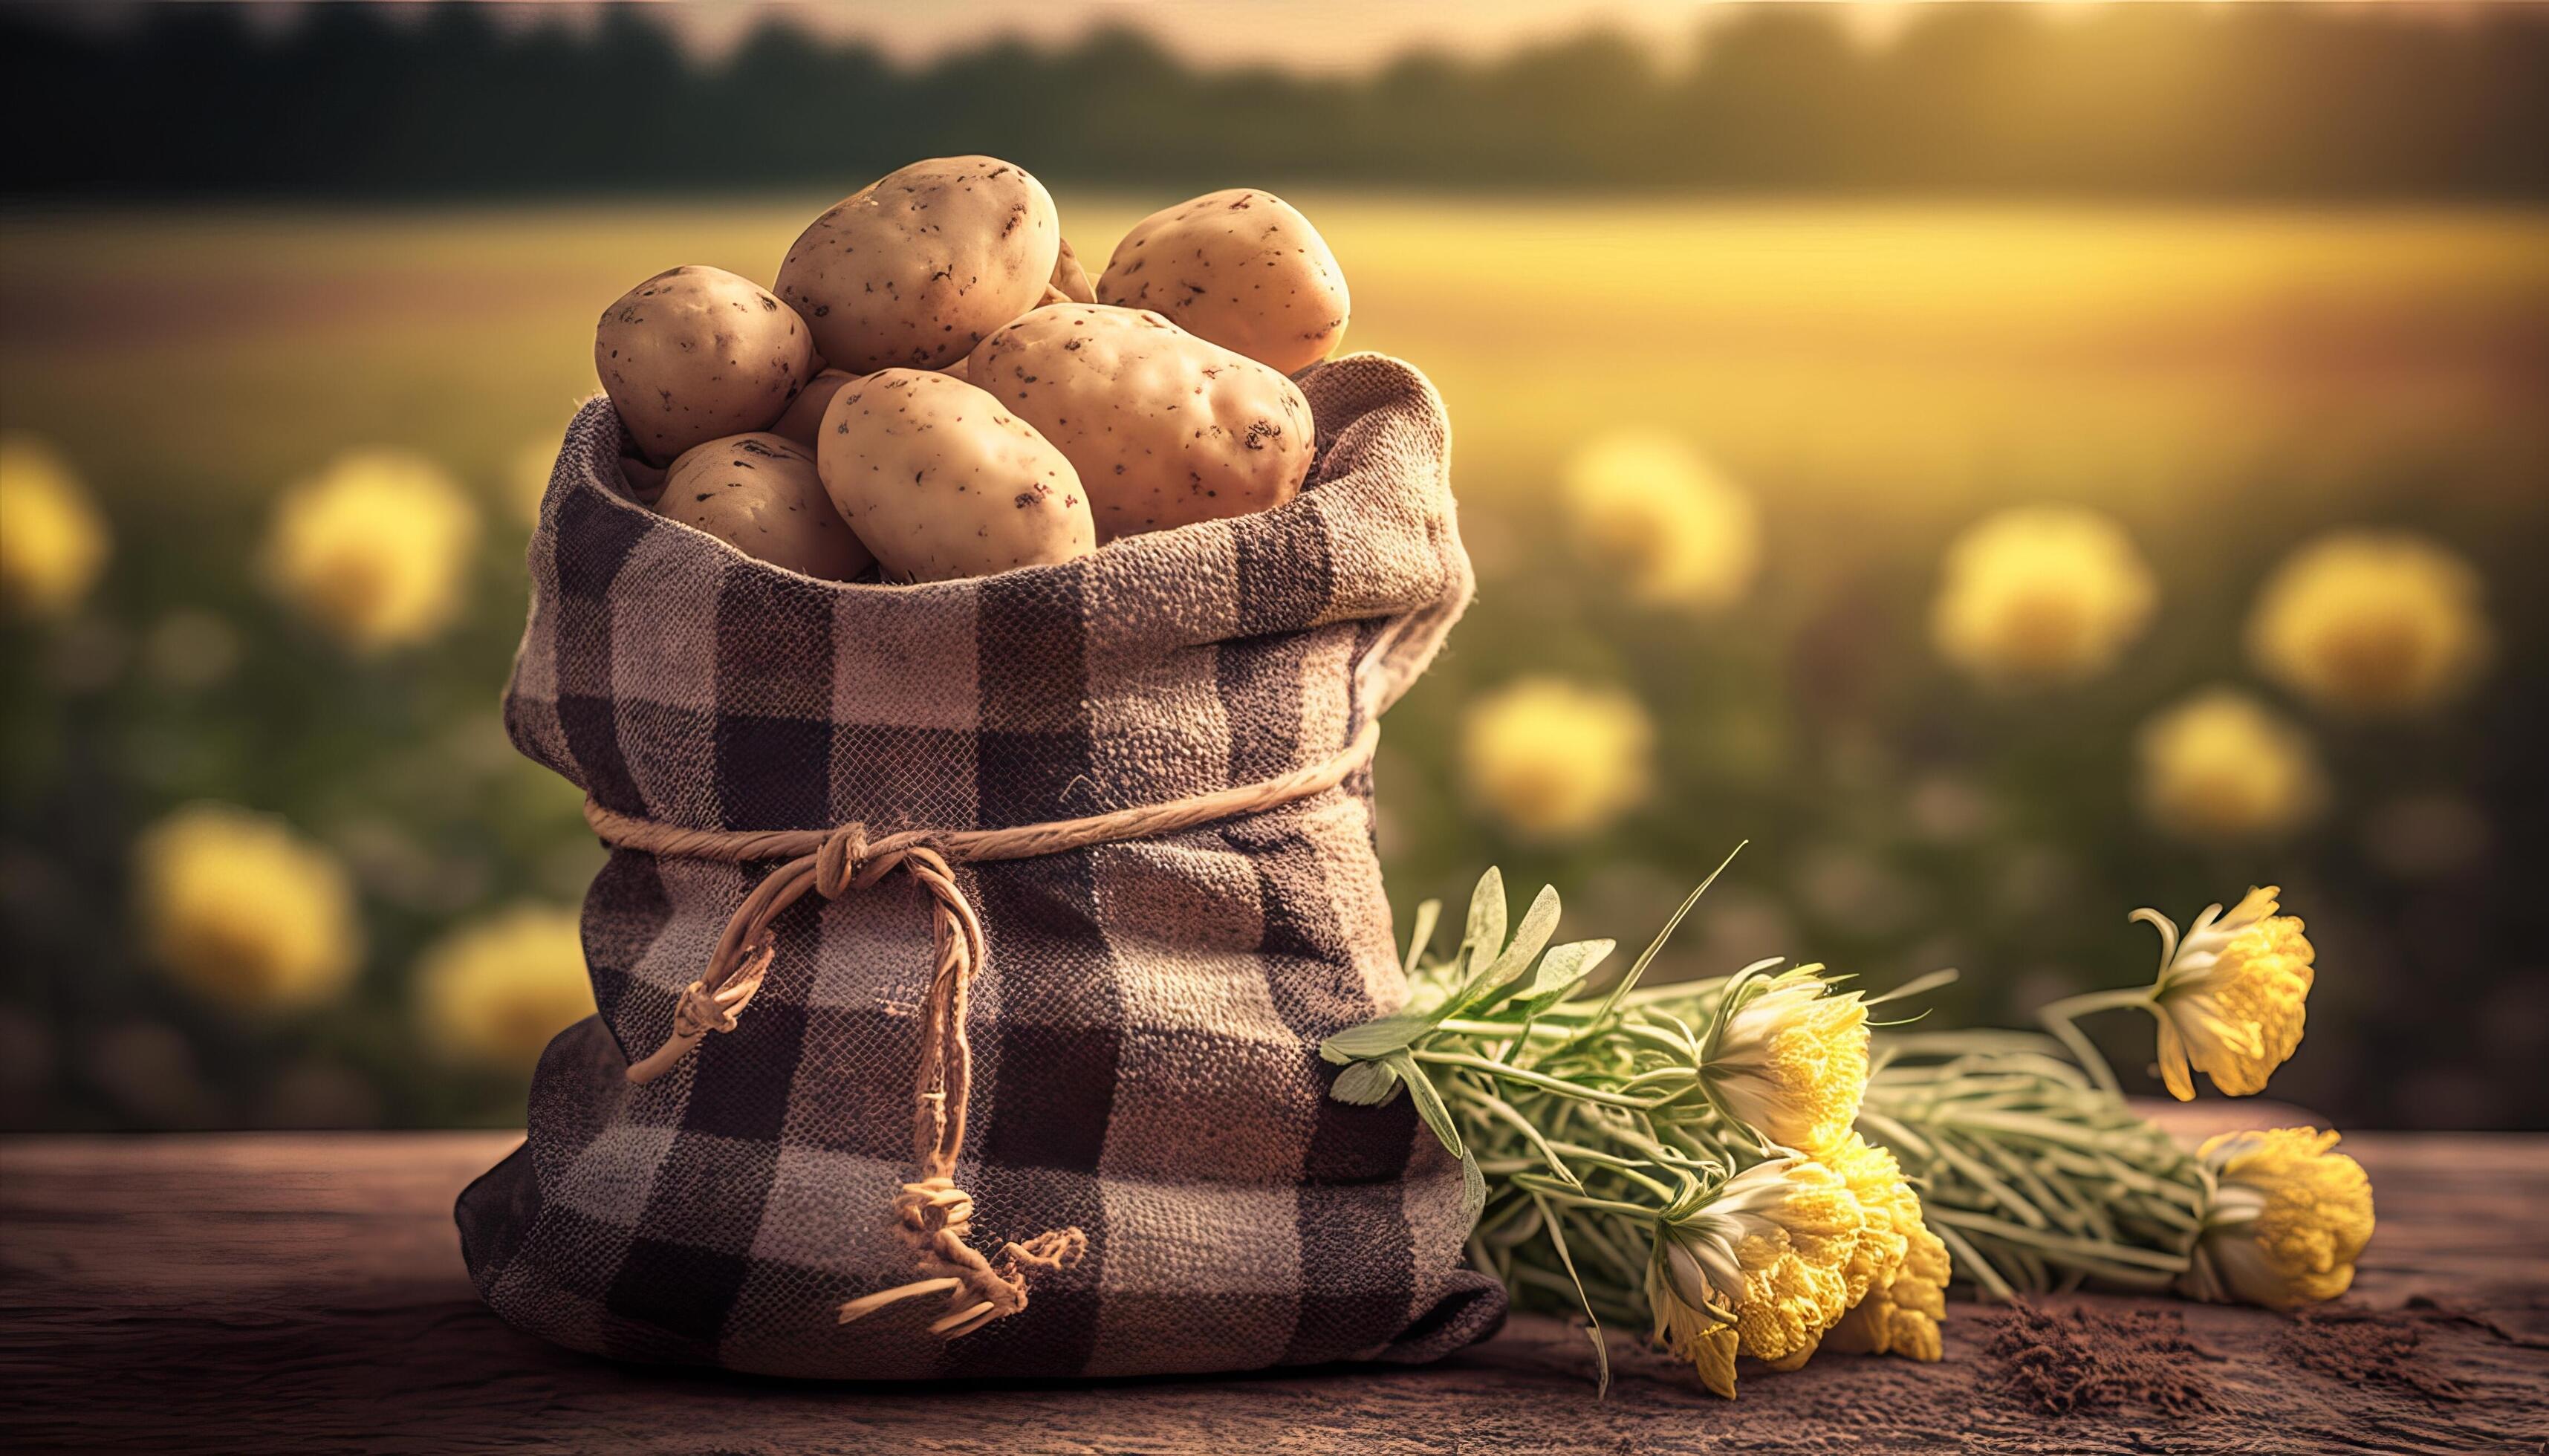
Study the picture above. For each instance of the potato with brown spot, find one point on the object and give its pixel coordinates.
(943, 482)
(913, 269)
(1242, 268)
(804, 414)
(1165, 428)
(696, 354)
(761, 494)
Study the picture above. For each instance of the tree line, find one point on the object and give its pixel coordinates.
(2255, 101)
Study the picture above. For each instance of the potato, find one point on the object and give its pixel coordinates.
(943, 482)
(1164, 427)
(804, 414)
(916, 267)
(1242, 268)
(1070, 279)
(645, 479)
(761, 494)
(695, 354)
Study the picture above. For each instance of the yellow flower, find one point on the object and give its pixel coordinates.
(2223, 766)
(1902, 1317)
(53, 541)
(1556, 760)
(1679, 533)
(497, 991)
(2371, 622)
(2289, 1219)
(1887, 1201)
(1760, 1269)
(1898, 1274)
(2042, 593)
(238, 909)
(2231, 994)
(376, 549)
(1790, 1061)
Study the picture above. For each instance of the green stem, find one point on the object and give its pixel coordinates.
(1625, 1168)
(1559, 1192)
(1685, 1052)
(2042, 1128)
(1584, 1297)
(1531, 1079)
(1622, 1267)
(1502, 1110)
(2075, 1251)
(1495, 1031)
(1675, 991)
(1992, 1187)
(2059, 1017)
(1595, 1307)
(1971, 1260)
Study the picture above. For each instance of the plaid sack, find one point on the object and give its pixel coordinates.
(1145, 1032)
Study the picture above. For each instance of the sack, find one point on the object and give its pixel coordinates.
(1144, 1028)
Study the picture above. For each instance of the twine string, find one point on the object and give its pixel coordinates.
(932, 1216)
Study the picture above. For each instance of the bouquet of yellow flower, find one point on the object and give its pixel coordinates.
(1743, 1166)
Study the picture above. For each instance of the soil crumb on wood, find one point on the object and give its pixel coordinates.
(2060, 1361)
(2365, 1347)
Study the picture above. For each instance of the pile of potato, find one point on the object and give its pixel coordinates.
(936, 390)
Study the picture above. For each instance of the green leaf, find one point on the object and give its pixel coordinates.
(1537, 923)
(1593, 1322)
(1437, 1115)
(1562, 970)
(1428, 1103)
(1366, 1084)
(1637, 967)
(1421, 935)
(1378, 1037)
(1485, 935)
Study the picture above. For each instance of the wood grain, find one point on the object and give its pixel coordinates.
(304, 1293)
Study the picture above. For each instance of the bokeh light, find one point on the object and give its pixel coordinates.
(53, 541)
(1555, 758)
(376, 549)
(496, 989)
(241, 910)
(2372, 622)
(2223, 766)
(2041, 594)
(1644, 506)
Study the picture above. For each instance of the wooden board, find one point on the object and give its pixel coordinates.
(287, 1293)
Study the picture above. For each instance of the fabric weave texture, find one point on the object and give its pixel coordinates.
(1145, 1034)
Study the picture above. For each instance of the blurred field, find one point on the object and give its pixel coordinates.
(2225, 382)
(1901, 360)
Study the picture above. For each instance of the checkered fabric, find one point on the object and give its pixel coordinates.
(1145, 1033)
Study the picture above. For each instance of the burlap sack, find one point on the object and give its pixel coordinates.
(1145, 1029)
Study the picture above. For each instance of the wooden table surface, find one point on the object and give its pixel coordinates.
(277, 1293)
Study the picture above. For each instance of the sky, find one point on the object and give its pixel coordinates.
(1303, 35)
(1317, 36)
